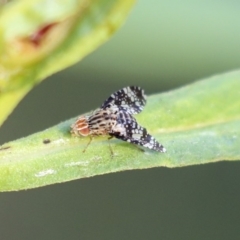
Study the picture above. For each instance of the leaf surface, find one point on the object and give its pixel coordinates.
(199, 123)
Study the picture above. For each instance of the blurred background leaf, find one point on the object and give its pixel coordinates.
(40, 37)
(163, 45)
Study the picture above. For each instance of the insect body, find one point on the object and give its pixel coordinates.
(114, 118)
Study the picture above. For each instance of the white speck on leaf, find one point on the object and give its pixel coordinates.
(44, 173)
(59, 141)
(76, 164)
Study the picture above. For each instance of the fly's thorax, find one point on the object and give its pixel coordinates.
(101, 121)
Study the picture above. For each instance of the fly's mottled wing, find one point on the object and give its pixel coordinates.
(127, 129)
(128, 99)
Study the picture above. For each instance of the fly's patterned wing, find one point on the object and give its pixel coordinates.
(128, 99)
(127, 129)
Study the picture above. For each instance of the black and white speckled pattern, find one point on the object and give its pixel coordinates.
(128, 99)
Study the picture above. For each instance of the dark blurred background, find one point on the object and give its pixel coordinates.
(163, 45)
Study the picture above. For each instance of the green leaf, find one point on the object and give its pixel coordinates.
(41, 37)
(199, 123)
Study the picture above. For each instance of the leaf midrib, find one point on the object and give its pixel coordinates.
(196, 126)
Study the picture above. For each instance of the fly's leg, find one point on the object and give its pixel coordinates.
(87, 144)
(112, 154)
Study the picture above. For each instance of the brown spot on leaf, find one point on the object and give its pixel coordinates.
(37, 37)
(39, 43)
